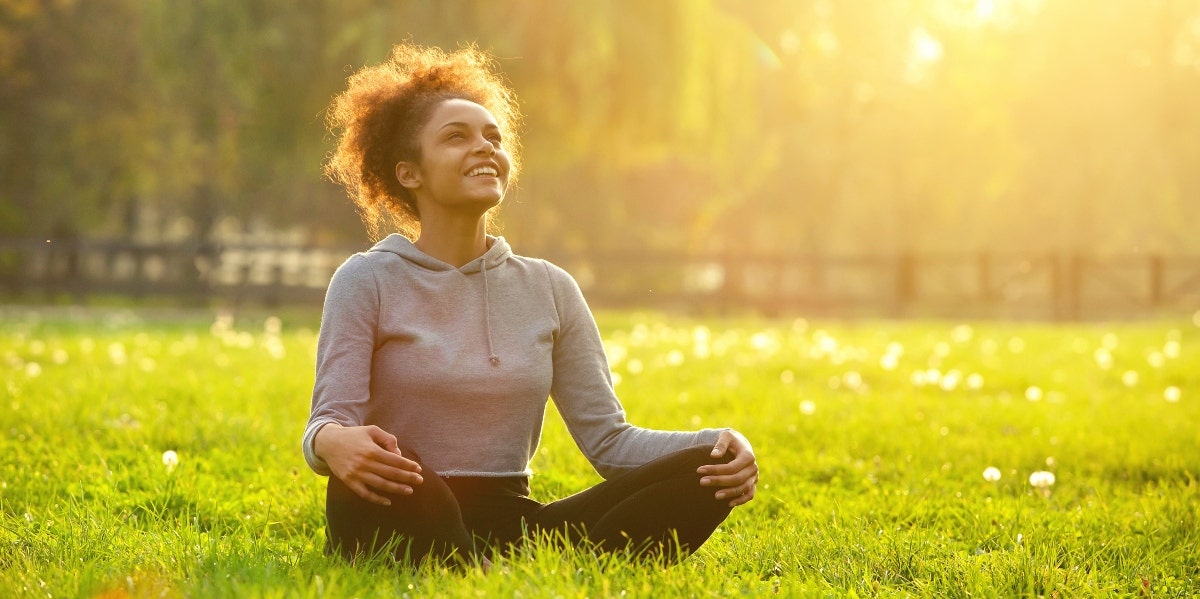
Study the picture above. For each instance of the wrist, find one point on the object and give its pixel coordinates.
(320, 438)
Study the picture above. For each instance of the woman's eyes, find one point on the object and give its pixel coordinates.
(495, 139)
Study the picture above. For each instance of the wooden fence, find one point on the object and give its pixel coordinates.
(941, 285)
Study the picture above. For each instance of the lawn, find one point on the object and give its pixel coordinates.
(156, 453)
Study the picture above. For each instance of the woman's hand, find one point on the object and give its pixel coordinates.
(738, 478)
(367, 459)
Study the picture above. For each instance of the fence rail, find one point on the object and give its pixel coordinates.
(985, 284)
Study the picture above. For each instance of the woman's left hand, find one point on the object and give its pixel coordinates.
(738, 478)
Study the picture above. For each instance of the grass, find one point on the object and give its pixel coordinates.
(872, 479)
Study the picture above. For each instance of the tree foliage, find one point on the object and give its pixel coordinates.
(799, 125)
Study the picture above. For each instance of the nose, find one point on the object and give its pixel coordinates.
(484, 146)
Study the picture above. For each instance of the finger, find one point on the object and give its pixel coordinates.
(724, 478)
(366, 493)
(378, 483)
(395, 460)
(741, 461)
(394, 474)
(729, 442)
(729, 481)
(385, 440)
(740, 494)
(743, 499)
(722, 444)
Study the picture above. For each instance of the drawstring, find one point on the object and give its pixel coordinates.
(487, 314)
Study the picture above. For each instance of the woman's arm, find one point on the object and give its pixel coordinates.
(336, 443)
(582, 389)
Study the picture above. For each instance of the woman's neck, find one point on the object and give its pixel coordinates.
(453, 242)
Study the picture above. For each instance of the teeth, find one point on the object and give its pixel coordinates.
(483, 170)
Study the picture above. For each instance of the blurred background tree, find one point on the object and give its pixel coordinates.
(769, 126)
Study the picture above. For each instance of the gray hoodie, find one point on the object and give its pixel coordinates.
(458, 363)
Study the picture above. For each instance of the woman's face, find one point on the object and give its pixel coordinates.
(463, 162)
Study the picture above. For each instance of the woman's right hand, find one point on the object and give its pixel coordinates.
(367, 459)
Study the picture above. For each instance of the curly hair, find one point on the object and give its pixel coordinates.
(378, 117)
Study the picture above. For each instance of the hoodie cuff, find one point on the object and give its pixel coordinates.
(315, 462)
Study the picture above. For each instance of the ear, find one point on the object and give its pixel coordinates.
(408, 175)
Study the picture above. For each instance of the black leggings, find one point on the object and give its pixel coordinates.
(658, 510)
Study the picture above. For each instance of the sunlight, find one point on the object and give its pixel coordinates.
(926, 48)
(986, 13)
(985, 10)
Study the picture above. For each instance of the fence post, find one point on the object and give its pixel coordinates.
(984, 262)
(1075, 286)
(1157, 268)
(906, 282)
(1055, 263)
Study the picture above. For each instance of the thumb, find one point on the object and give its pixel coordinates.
(720, 448)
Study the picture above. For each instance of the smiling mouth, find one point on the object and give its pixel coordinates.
(483, 171)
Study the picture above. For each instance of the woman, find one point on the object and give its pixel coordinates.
(437, 354)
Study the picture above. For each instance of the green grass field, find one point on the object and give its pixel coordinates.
(873, 438)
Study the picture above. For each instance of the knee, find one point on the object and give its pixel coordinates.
(701, 455)
(684, 463)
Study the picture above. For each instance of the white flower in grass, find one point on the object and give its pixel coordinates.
(975, 381)
(962, 333)
(1172, 394)
(170, 459)
(33, 370)
(950, 381)
(918, 378)
(852, 379)
(272, 325)
(1042, 479)
(991, 474)
(116, 353)
(808, 408)
(1033, 393)
(933, 376)
(1171, 349)
(889, 361)
(1130, 378)
(1156, 359)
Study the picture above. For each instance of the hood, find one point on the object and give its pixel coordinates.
(498, 251)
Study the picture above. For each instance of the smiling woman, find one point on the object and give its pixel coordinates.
(439, 348)
(460, 168)
(384, 106)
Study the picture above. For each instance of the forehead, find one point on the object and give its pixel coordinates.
(456, 110)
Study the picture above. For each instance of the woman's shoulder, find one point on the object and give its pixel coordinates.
(358, 269)
(555, 273)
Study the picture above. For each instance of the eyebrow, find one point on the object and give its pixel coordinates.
(468, 126)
